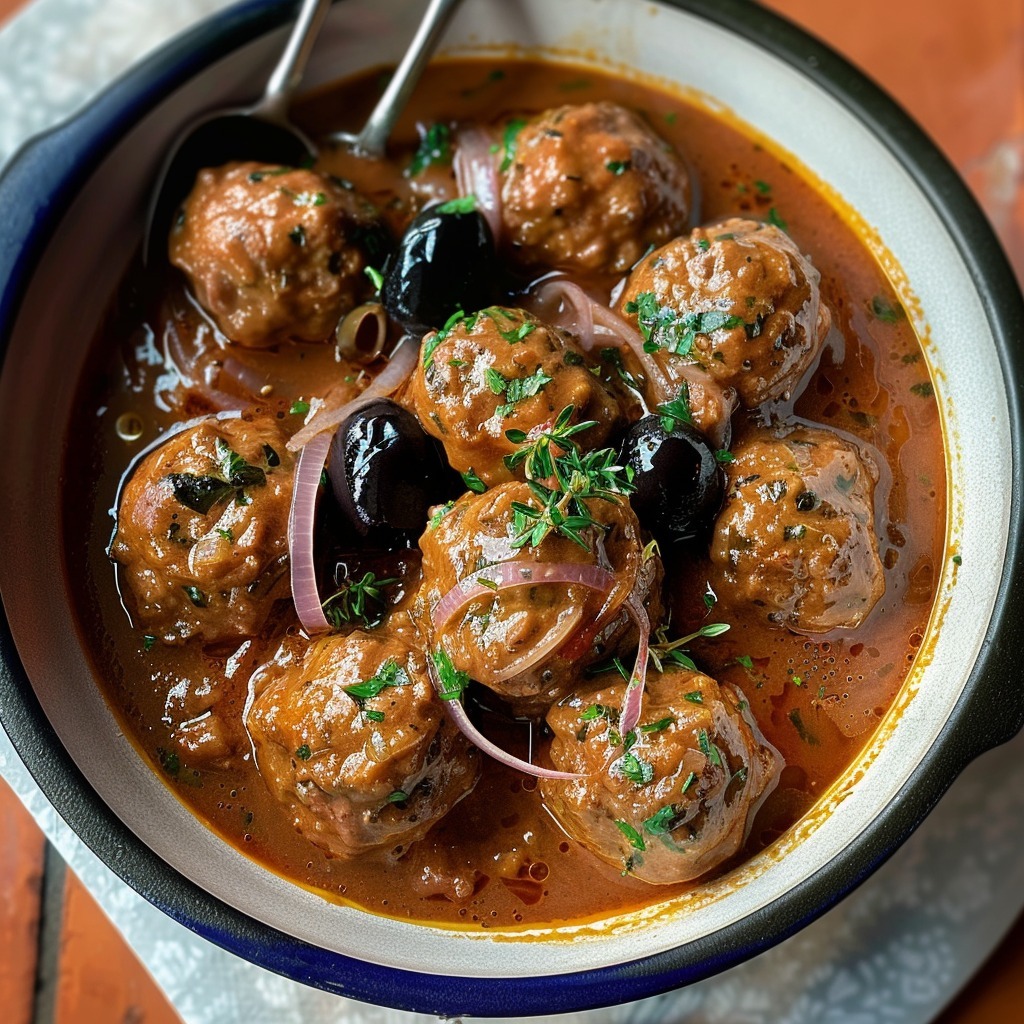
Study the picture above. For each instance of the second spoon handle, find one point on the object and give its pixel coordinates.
(288, 71)
(372, 140)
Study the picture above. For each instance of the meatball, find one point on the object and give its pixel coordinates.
(530, 644)
(590, 188)
(349, 734)
(736, 298)
(672, 800)
(501, 370)
(202, 531)
(796, 537)
(271, 252)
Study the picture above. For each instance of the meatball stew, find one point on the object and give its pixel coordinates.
(516, 530)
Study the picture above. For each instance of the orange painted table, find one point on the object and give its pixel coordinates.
(959, 69)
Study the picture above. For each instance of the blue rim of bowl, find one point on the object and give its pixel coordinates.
(37, 186)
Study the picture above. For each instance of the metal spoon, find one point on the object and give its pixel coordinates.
(259, 132)
(372, 140)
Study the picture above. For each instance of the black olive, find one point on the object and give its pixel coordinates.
(679, 483)
(385, 473)
(444, 262)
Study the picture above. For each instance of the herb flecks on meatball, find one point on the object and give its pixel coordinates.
(530, 643)
(349, 734)
(201, 531)
(796, 537)
(739, 300)
(676, 797)
(273, 253)
(499, 371)
(590, 188)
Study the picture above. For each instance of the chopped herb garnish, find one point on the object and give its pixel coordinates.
(196, 596)
(464, 204)
(708, 749)
(660, 824)
(375, 276)
(703, 244)
(358, 601)
(658, 726)
(663, 327)
(640, 772)
(516, 389)
(199, 493)
(618, 166)
(389, 674)
(690, 780)
(677, 411)
(745, 660)
(169, 761)
(802, 731)
(452, 681)
(304, 753)
(439, 513)
(763, 187)
(886, 311)
(510, 141)
(694, 697)
(430, 343)
(774, 218)
(435, 148)
(147, 642)
(599, 711)
(724, 455)
(226, 534)
(397, 797)
(634, 838)
(957, 560)
(923, 389)
(374, 716)
(299, 407)
(473, 482)
(798, 681)
(257, 176)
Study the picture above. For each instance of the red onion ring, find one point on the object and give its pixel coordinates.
(301, 516)
(507, 575)
(476, 174)
(458, 715)
(400, 366)
(633, 699)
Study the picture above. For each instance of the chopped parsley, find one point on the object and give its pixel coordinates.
(694, 697)
(438, 514)
(745, 660)
(375, 276)
(397, 797)
(463, 204)
(661, 823)
(304, 753)
(435, 148)
(723, 455)
(632, 836)
(763, 187)
(886, 311)
(640, 772)
(389, 674)
(923, 389)
(374, 716)
(663, 327)
(473, 482)
(957, 560)
(776, 220)
(148, 640)
(658, 726)
(299, 407)
(677, 411)
(618, 167)
(516, 389)
(690, 780)
(708, 749)
(196, 596)
(510, 141)
(452, 681)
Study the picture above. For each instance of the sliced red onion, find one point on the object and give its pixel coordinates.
(507, 575)
(462, 721)
(476, 174)
(301, 516)
(329, 417)
(633, 699)
(245, 378)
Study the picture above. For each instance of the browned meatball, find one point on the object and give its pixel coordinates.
(676, 798)
(736, 298)
(530, 643)
(350, 735)
(271, 252)
(500, 370)
(202, 531)
(796, 537)
(590, 187)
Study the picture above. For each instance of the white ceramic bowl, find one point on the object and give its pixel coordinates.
(73, 203)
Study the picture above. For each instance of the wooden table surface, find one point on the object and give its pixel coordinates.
(959, 69)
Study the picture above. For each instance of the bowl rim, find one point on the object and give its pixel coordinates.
(45, 174)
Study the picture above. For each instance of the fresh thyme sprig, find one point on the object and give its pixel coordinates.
(562, 481)
(358, 601)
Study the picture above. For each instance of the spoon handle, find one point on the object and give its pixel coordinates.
(288, 72)
(372, 140)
